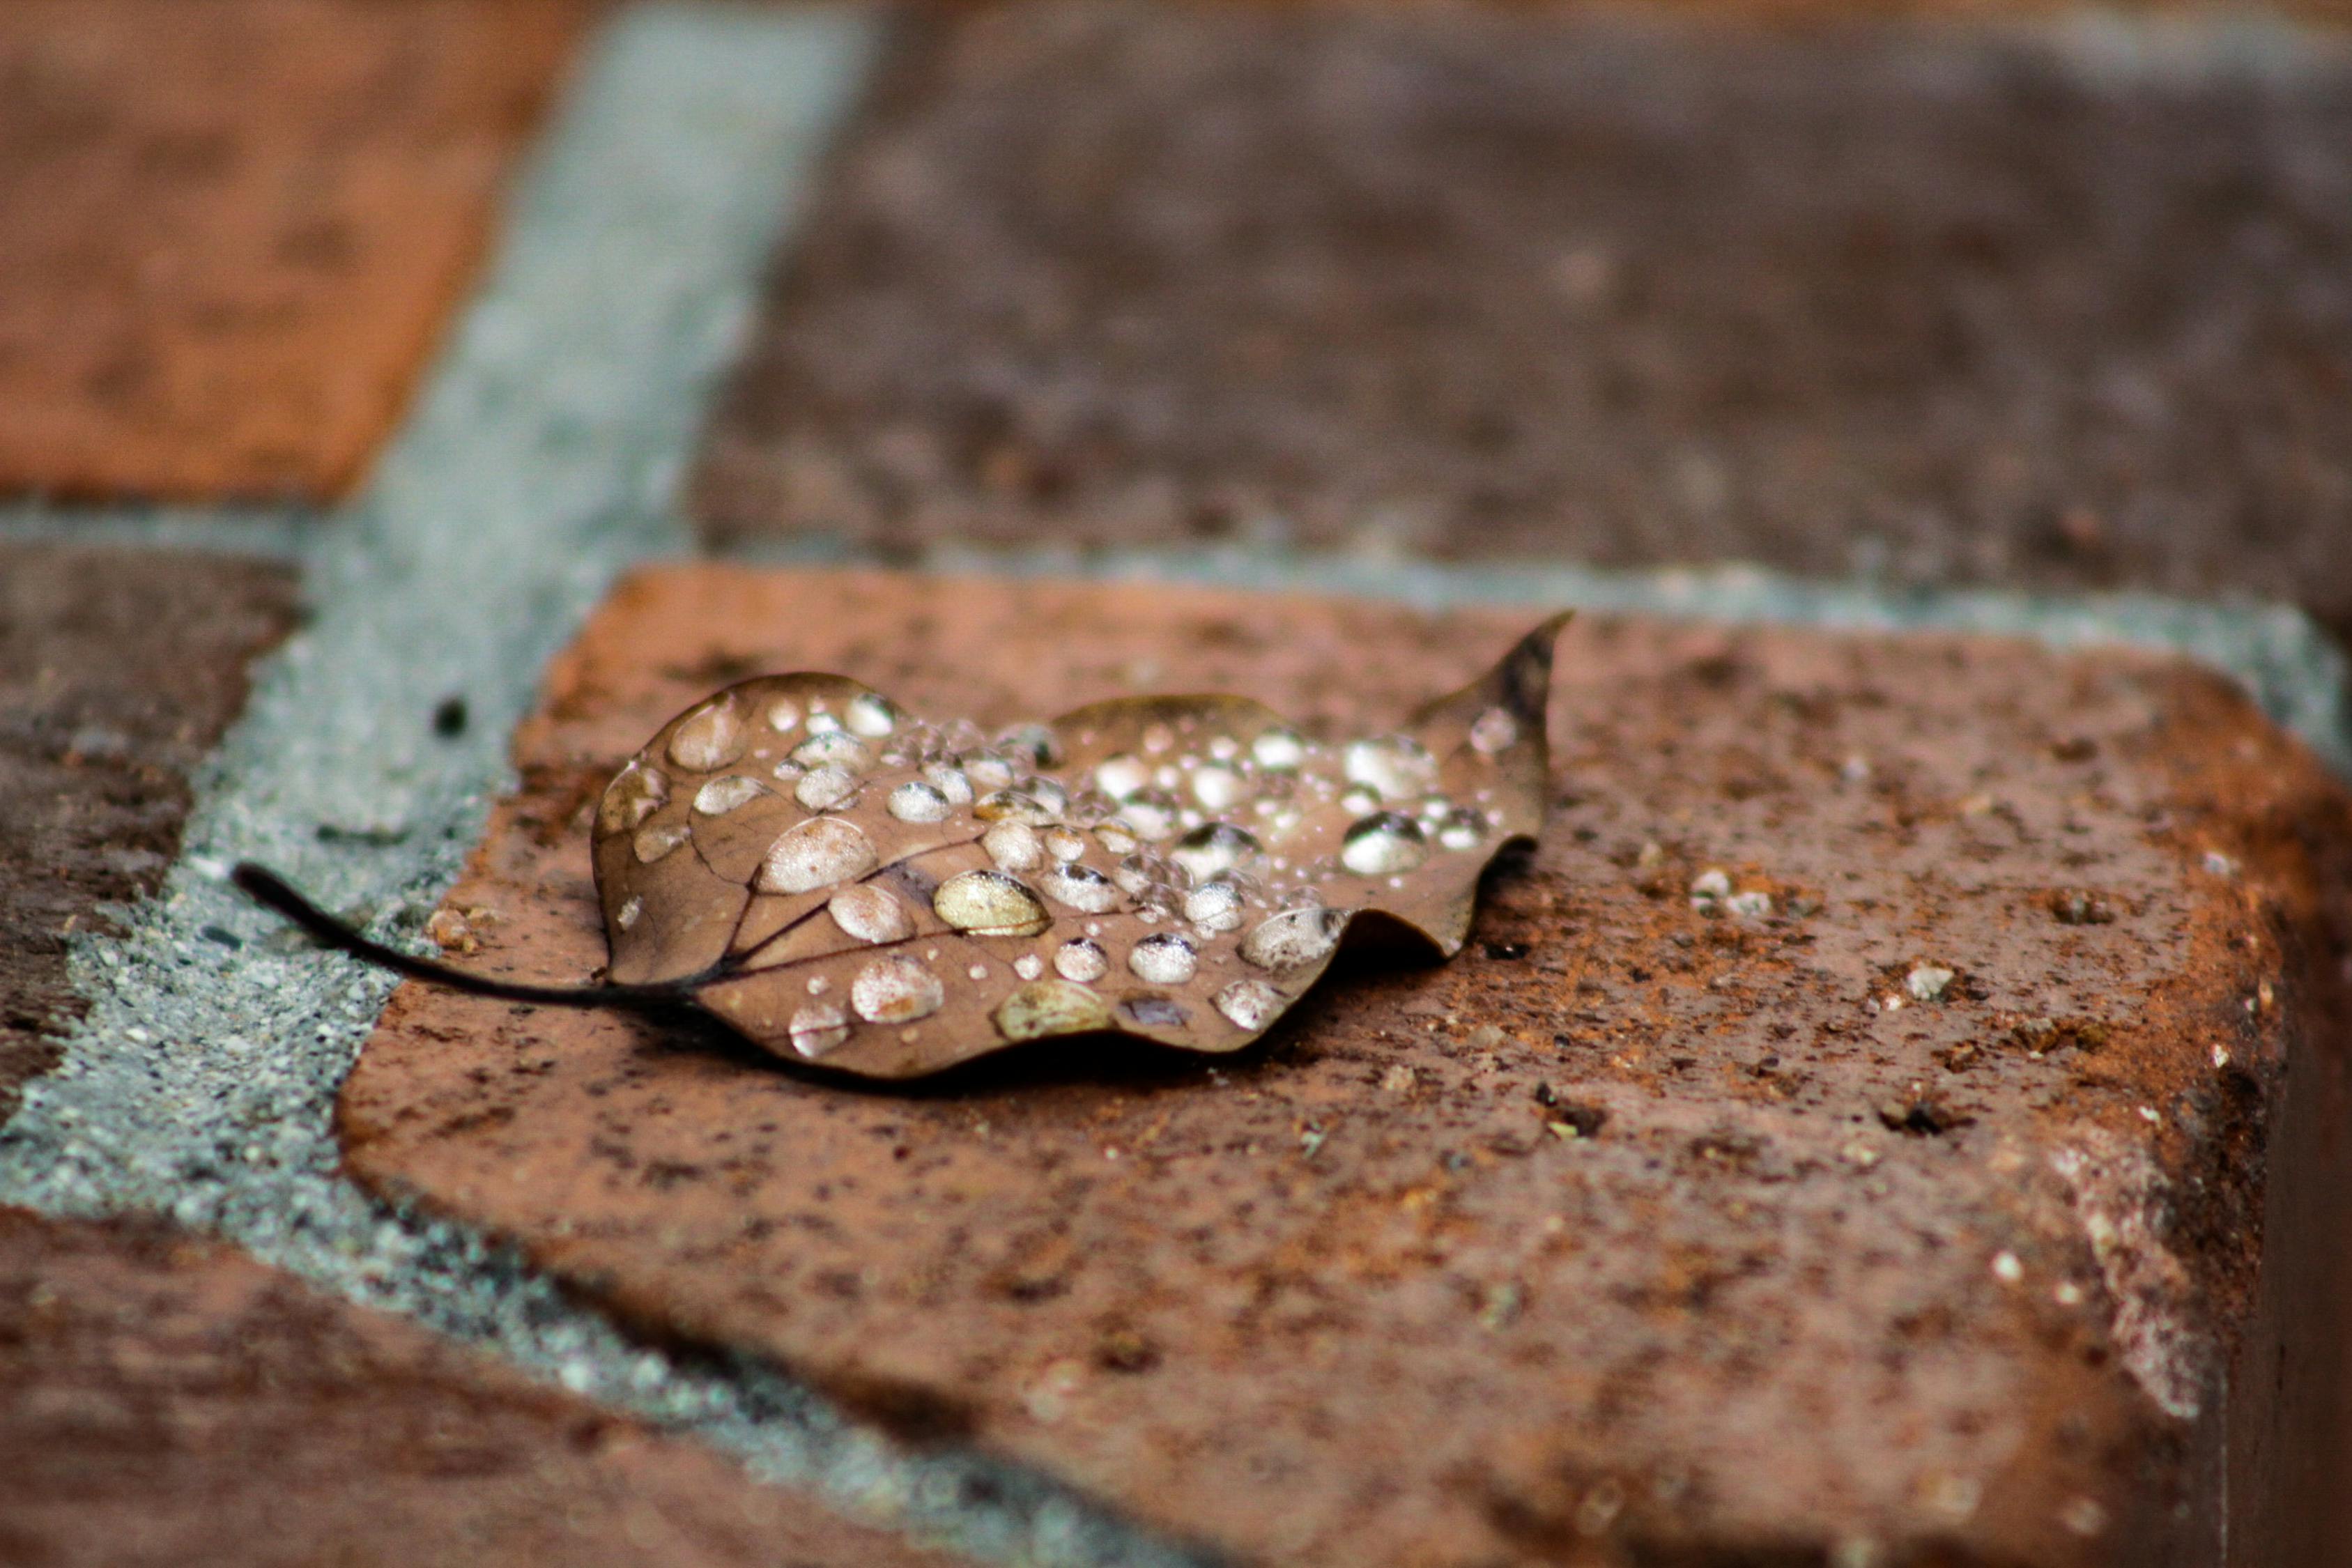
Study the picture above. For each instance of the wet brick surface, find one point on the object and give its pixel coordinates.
(1946, 305)
(231, 231)
(169, 1402)
(118, 671)
(1851, 1130)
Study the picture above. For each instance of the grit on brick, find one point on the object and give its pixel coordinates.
(1658, 1226)
(119, 669)
(171, 1401)
(230, 231)
(1996, 305)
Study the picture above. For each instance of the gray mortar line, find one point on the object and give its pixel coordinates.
(541, 460)
(2291, 670)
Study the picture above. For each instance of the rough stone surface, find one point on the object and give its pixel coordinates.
(1900, 1203)
(171, 1402)
(2062, 307)
(118, 671)
(230, 231)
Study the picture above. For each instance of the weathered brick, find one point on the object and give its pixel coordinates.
(1644, 1232)
(231, 231)
(169, 1402)
(118, 671)
(1950, 304)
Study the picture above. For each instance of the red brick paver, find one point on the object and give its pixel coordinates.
(1905, 1187)
(230, 230)
(167, 1402)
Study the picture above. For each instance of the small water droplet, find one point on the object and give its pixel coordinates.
(1214, 906)
(710, 737)
(951, 781)
(1117, 836)
(1212, 849)
(989, 903)
(815, 854)
(1295, 938)
(1156, 1011)
(1398, 766)
(1361, 800)
(1015, 806)
(1121, 775)
(1164, 959)
(870, 914)
(783, 715)
(1462, 828)
(1136, 875)
(1013, 846)
(1080, 887)
(915, 801)
(1216, 787)
(824, 788)
(1063, 844)
(1028, 966)
(635, 793)
(870, 715)
(1158, 738)
(818, 1028)
(977, 972)
(653, 843)
(1034, 741)
(821, 722)
(1493, 730)
(1249, 1004)
(896, 991)
(1225, 748)
(1278, 751)
(989, 771)
(1081, 960)
(1383, 845)
(833, 749)
(726, 793)
(1152, 814)
(630, 913)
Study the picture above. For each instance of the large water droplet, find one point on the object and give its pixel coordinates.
(635, 793)
(897, 989)
(1398, 766)
(1212, 849)
(1080, 887)
(825, 787)
(989, 903)
(870, 914)
(1165, 959)
(724, 794)
(1295, 938)
(1383, 845)
(1151, 814)
(915, 801)
(1013, 846)
(817, 1029)
(950, 781)
(1081, 960)
(1050, 1007)
(710, 737)
(1121, 775)
(1249, 1004)
(1214, 906)
(1278, 751)
(653, 843)
(1493, 730)
(834, 750)
(783, 715)
(1215, 788)
(870, 715)
(815, 854)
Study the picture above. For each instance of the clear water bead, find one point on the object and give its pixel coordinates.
(1463, 828)
(1151, 814)
(1028, 966)
(783, 715)
(1081, 960)
(1063, 844)
(1212, 849)
(814, 854)
(1383, 845)
(1249, 1004)
(1217, 787)
(630, 913)
(951, 781)
(833, 749)
(1278, 751)
(1214, 906)
(896, 991)
(870, 715)
(727, 793)
(1080, 887)
(916, 801)
(1013, 846)
(1493, 730)
(817, 1029)
(635, 793)
(870, 914)
(1165, 959)
(653, 843)
(1295, 938)
(1117, 836)
(989, 903)
(1121, 775)
(1398, 766)
(710, 737)
(825, 787)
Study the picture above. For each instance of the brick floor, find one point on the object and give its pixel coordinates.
(1912, 1208)
(1951, 305)
(171, 1402)
(119, 669)
(231, 231)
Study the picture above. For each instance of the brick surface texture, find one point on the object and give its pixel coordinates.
(1949, 305)
(118, 671)
(231, 231)
(1658, 1227)
(171, 1402)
